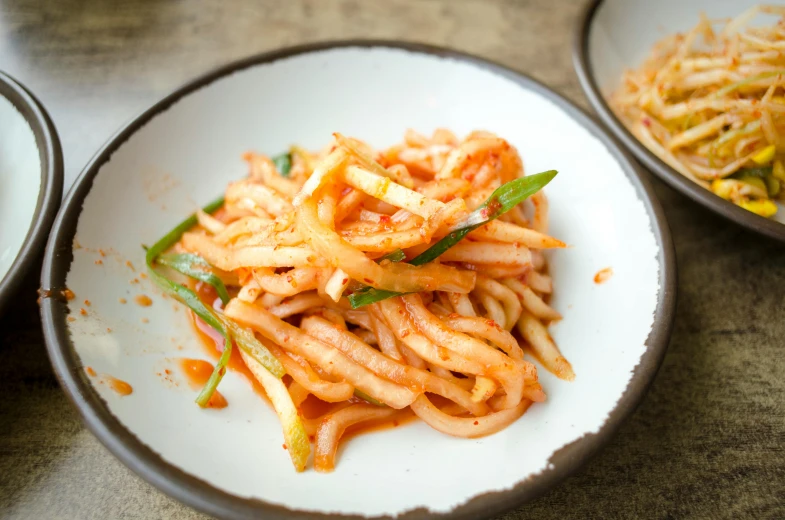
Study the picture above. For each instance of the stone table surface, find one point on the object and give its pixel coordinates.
(707, 442)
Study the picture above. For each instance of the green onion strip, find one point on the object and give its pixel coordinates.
(502, 200)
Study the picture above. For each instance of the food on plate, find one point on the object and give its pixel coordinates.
(711, 104)
(376, 284)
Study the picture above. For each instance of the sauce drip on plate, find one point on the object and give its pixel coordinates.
(603, 275)
(118, 385)
(143, 300)
(197, 372)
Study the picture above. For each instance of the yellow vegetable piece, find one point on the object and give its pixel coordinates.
(762, 207)
(778, 171)
(722, 188)
(765, 156)
(773, 186)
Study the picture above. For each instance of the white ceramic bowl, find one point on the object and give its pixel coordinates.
(615, 35)
(181, 153)
(31, 182)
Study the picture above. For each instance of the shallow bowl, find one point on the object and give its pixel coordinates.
(31, 182)
(180, 154)
(615, 35)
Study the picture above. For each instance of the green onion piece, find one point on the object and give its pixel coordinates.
(369, 296)
(283, 163)
(246, 340)
(394, 256)
(727, 89)
(502, 200)
(365, 397)
(174, 235)
(192, 300)
(755, 171)
(207, 314)
(196, 267)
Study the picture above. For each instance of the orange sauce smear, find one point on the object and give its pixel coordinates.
(143, 300)
(311, 408)
(118, 385)
(197, 372)
(217, 400)
(603, 275)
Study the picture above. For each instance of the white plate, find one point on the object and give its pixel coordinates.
(31, 181)
(181, 153)
(615, 35)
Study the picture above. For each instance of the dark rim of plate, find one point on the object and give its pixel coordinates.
(676, 180)
(203, 496)
(49, 193)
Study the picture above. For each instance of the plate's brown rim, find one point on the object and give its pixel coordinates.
(50, 191)
(582, 63)
(203, 496)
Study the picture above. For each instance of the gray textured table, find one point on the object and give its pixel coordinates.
(707, 442)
